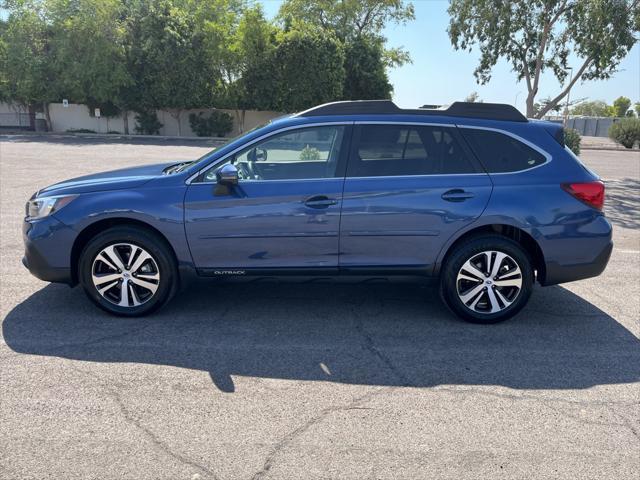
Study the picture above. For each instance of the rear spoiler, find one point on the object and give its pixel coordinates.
(556, 130)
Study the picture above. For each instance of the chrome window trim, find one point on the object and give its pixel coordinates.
(544, 153)
(189, 180)
(420, 176)
(548, 157)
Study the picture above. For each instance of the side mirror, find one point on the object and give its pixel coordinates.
(227, 175)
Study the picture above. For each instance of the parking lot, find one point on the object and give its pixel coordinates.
(282, 380)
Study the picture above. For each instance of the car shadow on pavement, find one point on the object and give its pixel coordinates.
(371, 334)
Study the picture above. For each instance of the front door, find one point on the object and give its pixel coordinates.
(284, 214)
(409, 187)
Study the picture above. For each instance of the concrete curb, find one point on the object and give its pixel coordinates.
(610, 149)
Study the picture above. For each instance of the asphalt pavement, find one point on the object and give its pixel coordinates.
(322, 380)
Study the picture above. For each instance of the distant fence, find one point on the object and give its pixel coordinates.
(592, 126)
(75, 116)
(16, 120)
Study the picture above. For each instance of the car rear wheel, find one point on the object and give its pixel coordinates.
(487, 279)
(127, 271)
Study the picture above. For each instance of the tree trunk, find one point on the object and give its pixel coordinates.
(125, 121)
(177, 116)
(531, 97)
(554, 102)
(32, 117)
(240, 114)
(45, 107)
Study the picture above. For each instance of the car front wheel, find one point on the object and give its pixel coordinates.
(487, 279)
(127, 271)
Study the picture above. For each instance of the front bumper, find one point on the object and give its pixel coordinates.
(47, 249)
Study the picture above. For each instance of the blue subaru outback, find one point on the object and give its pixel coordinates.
(475, 194)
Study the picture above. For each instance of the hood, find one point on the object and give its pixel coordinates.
(113, 180)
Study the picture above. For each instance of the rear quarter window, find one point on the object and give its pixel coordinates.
(501, 153)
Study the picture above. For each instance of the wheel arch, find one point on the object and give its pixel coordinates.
(93, 229)
(520, 236)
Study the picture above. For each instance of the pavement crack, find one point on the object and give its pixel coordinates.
(290, 437)
(527, 397)
(158, 443)
(370, 346)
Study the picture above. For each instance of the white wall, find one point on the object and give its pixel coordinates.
(77, 116)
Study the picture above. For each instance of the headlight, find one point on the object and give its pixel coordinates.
(41, 207)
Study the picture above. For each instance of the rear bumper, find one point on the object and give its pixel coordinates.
(583, 254)
(47, 250)
(556, 273)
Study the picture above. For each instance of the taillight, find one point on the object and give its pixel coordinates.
(591, 193)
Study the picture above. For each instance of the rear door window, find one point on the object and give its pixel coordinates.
(501, 153)
(405, 150)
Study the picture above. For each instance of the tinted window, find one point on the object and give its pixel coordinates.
(394, 150)
(500, 153)
(295, 154)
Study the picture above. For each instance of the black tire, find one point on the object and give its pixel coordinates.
(468, 250)
(155, 246)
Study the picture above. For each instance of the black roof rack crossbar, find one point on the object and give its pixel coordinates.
(487, 111)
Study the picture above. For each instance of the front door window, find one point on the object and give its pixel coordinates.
(305, 153)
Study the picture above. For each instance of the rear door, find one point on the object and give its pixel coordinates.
(408, 188)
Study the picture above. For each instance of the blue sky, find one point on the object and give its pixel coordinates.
(439, 74)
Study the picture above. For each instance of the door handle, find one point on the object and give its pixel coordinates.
(320, 201)
(456, 195)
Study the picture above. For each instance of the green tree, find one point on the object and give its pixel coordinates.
(365, 76)
(246, 81)
(308, 69)
(171, 53)
(300, 70)
(89, 51)
(594, 108)
(28, 65)
(536, 36)
(637, 107)
(4, 81)
(348, 18)
(621, 106)
(358, 26)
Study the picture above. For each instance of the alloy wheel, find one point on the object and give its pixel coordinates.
(125, 274)
(489, 282)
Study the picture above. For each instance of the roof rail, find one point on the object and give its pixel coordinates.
(487, 111)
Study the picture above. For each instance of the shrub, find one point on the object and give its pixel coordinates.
(218, 123)
(626, 131)
(310, 153)
(80, 130)
(572, 140)
(147, 123)
(113, 132)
